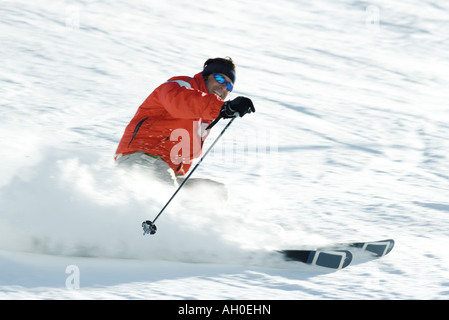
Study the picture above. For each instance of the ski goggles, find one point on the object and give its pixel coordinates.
(220, 79)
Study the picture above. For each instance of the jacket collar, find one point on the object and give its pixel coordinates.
(200, 82)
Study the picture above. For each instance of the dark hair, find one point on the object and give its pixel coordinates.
(225, 61)
(220, 65)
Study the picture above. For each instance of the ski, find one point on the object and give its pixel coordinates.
(377, 249)
(340, 255)
(332, 259)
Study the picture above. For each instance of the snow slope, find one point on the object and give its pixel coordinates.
(349, 142)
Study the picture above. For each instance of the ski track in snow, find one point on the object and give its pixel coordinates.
(349, 143)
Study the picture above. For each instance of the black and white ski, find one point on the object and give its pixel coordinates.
(338, 256)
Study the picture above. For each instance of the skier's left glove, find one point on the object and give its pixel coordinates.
(239, 106)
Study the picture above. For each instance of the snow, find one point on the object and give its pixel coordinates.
(349, 142)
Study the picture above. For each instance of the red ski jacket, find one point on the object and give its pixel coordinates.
(170, 123)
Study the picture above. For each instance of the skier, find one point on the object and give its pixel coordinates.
(168, 130)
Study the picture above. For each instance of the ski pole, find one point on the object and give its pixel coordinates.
(148, 225)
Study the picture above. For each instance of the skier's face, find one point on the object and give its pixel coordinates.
(218, 88)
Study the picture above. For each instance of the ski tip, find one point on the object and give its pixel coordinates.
(391, 241)
(382, 247)
(378, 248)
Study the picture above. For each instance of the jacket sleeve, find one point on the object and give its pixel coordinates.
(182, 101)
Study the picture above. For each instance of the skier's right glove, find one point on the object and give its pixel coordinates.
(239, 106)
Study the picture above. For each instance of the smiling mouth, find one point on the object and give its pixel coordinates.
(217, 93)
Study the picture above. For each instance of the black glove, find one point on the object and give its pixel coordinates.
(241, 105)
